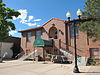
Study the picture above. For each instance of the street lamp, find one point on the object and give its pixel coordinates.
(79, 13)
(68, 15)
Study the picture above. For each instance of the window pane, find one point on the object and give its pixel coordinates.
(38, 34)
(28, 35)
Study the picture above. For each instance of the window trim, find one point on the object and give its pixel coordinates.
(39, 34)
(55, 33)
(29, 35)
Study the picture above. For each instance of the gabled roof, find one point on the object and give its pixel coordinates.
(83, 19)
(31, 29)
(42, 25)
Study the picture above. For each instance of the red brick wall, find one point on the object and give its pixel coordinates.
(83, 44)
(60, 25)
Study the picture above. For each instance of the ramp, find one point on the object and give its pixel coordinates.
(26, 56)
(80, 59)
(67, 54)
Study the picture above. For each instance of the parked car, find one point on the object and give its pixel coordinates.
(60, 59)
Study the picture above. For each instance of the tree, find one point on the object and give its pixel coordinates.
(5, 20)
(92, 27)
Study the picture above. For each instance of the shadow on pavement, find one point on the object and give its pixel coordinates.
(2, 62)
(89, 72)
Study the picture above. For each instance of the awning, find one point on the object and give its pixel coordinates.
(39, 42)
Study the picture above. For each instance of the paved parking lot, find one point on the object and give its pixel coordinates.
(38, 68)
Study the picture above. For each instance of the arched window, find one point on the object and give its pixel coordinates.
(53, 32)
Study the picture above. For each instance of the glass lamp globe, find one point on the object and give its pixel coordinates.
(68, 15)
(79, 12)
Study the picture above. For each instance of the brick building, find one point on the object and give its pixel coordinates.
(59, 34)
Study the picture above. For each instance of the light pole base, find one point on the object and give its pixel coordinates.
(76, 70)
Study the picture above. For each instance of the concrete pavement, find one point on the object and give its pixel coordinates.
(38, 68)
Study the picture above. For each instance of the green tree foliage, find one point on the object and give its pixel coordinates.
(92, 27)
(5, 20)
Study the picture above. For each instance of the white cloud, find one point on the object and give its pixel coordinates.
(23, 15)
(37, 19)
(31, 24)
(12, 32)
(14, 18)
(30, 18)
(38, 25)
(25, 19)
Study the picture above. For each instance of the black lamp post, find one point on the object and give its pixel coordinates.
(68, 15)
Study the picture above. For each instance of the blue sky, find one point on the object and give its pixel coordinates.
(36, 12)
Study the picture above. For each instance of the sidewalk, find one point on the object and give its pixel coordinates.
(38, 68)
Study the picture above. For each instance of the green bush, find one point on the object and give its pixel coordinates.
(90, 62)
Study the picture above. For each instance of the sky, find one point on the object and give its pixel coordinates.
(35, 13)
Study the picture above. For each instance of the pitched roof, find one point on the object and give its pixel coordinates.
(31, 29)
(43, 25)
(83, 19)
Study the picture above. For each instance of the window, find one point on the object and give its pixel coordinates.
(72, 30)
(28, 36)
(38, 34)
(94, 53)
(53, 32)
